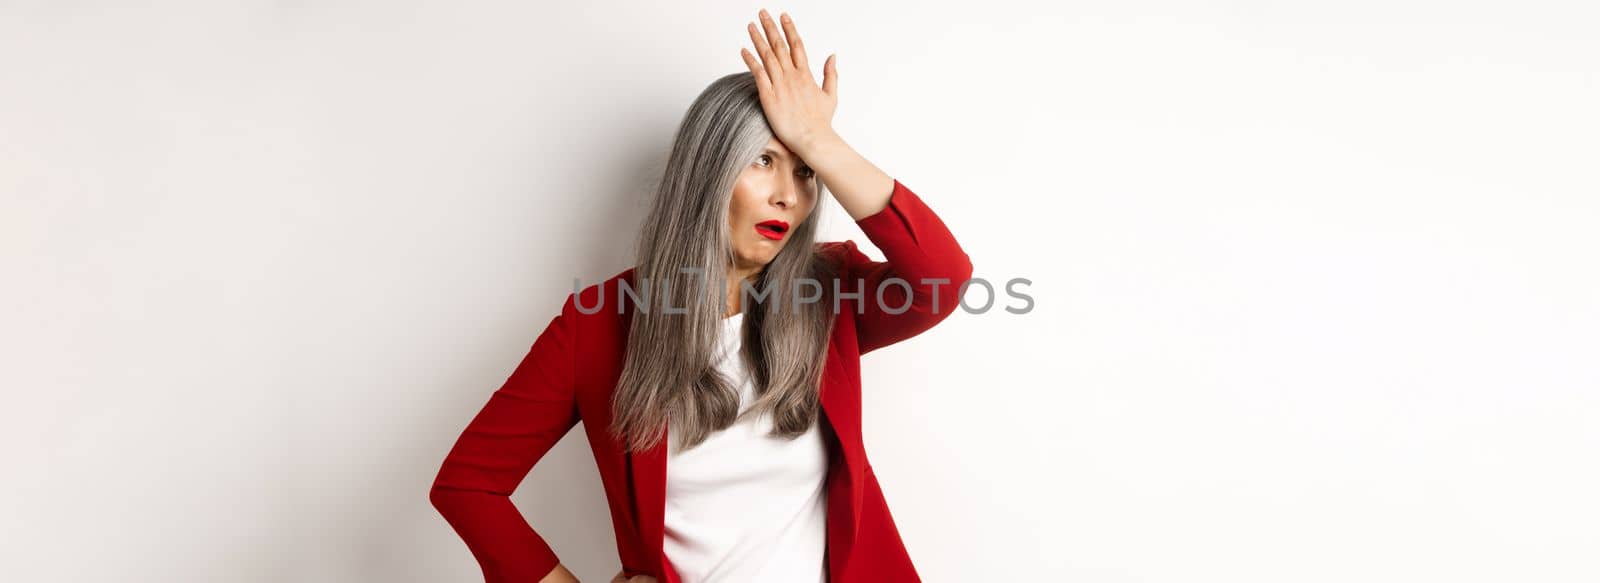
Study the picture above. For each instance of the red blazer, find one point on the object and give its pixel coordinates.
(573, 367)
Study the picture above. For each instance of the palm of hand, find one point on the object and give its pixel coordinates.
(798, 110)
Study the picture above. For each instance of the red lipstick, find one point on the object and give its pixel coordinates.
(772, 229)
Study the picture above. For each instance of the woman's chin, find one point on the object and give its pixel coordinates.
(758, 259)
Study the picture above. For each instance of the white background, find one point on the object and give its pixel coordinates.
(1316, 283)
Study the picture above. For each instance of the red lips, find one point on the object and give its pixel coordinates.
(772, 229)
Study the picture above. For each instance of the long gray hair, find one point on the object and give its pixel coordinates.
(684, 254)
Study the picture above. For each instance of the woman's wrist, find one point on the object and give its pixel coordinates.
(817, 144)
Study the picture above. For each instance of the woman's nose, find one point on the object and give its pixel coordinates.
(784, 198)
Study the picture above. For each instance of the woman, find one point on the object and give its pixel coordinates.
(726, 418)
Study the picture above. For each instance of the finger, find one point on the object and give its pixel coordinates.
(797, 49)
(762, 83)
(830, 76)
(775, 38)
(769, 61)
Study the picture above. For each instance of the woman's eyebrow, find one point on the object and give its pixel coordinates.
(777, 154)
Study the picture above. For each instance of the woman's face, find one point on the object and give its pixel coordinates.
(774, 194)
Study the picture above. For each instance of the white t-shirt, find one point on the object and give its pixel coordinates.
(744, 506)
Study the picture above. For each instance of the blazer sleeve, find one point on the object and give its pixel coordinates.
(924, 268)
(522, 420)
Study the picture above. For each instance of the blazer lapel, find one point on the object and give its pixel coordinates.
(646, 471)
(648, 476)
(844, 478)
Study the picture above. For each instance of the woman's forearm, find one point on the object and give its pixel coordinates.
(860, 186)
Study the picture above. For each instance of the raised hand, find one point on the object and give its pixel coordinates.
(799, 111)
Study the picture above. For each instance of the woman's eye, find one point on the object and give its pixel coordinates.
(765, 160)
